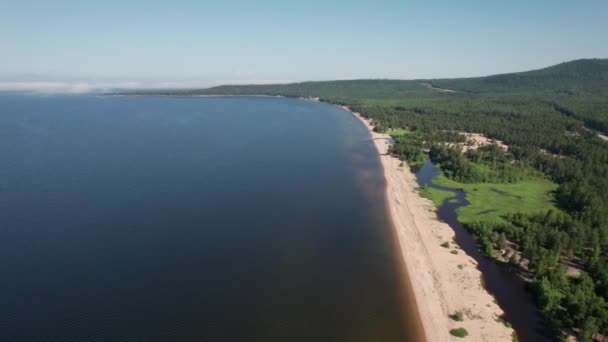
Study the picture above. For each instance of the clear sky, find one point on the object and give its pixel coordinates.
(211, 42)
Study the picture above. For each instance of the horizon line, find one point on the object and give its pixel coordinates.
(83, 87)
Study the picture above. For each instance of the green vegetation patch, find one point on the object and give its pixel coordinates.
(418, 161)
(458, 316)
(503, 322)
(435, 195)
(490, 201)
(459, 332)
(397, 132)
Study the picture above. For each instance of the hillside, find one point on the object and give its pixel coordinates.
(584, 75)
(577, 89)
(580, 76)
(379, 89)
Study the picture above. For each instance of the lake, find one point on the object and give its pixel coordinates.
(194, 219)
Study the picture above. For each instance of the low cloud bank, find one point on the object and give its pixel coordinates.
(90, 87)
(81, 87)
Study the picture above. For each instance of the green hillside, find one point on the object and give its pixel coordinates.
(381, 89)
(577, 89)
(582, 76)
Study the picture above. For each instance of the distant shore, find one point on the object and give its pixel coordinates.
(443, 283)
(185, 95)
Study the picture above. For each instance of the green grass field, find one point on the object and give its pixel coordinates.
(490, 201)
(437, 196)
(397, 132)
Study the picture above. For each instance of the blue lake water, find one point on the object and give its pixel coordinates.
(193, 219)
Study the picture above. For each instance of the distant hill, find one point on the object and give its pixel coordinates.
(322, 89)
(583, 75)
(576, 89)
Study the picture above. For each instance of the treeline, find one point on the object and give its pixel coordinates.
(413, 146)
(487, 164)
(575, 302)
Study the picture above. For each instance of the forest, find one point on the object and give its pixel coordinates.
(551, 120)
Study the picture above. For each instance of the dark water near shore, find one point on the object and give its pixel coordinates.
(508, 289)
(193, 219)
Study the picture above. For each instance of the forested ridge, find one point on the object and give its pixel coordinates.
(550, 119)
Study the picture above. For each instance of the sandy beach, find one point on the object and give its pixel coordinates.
(443, 283)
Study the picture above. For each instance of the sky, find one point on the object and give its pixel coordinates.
(81, 45)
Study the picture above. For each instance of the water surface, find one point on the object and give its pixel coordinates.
(193, 219)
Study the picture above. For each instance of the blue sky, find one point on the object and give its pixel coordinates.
(211, 42)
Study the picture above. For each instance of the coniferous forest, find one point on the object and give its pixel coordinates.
(554, 122)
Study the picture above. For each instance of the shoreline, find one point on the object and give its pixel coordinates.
(187, 95)
(441, 283)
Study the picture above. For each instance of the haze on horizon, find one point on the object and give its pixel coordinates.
(76, 46)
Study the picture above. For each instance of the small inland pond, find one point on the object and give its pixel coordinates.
(508, 289)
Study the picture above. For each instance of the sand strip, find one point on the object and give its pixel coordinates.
(442, 282)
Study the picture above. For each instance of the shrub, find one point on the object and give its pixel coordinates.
(445, 245)
(458, 316)
(454, 251)
(505, 323)
(459, 332)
